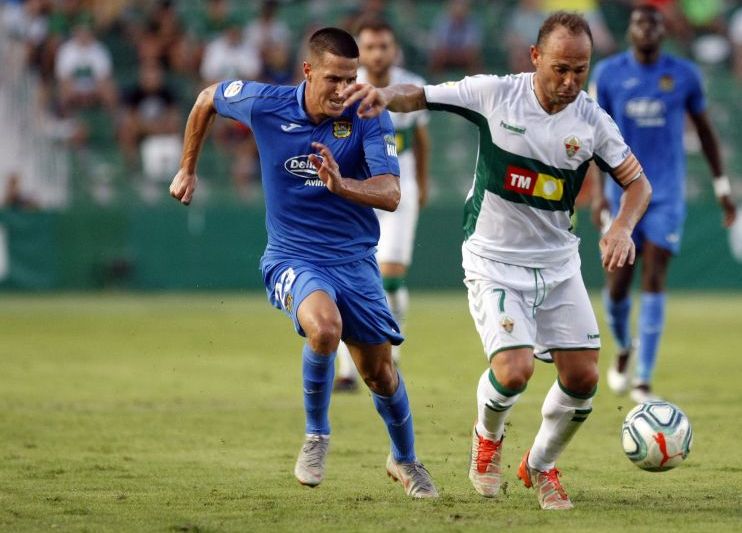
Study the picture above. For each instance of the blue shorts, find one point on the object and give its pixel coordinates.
(662, 225)
(355, 287)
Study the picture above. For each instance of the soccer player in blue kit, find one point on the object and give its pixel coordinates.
(648, 93)
(324, 171)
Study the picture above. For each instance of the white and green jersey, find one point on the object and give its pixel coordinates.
(404, 123)
(530, 166)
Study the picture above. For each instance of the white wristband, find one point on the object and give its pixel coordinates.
(722, 187)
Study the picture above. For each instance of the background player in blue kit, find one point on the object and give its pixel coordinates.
(648, 94)
(324, 171)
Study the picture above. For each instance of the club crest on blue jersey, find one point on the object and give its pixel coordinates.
(667, 83)
(288, 302)
(341, 129)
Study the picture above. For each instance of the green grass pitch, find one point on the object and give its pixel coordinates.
(183, 413)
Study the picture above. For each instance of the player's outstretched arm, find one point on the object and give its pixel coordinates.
(199, 121)
(712, 153)
(380, 192)
(616, 246)
(401, 98)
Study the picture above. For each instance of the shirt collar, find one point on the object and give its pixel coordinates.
(650, 66)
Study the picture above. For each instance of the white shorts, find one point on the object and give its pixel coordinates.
(520, 307)
(397, 229)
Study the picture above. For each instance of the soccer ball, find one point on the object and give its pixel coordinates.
(656, 436)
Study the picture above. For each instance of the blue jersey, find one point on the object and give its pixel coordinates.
(304, 219)
(649, 103)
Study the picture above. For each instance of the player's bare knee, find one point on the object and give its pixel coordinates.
(653, 282)
(515, 381)
(583, 382)
(618, 293)
(515, 377)
(515, 374)
(325, 336)
(381, 380)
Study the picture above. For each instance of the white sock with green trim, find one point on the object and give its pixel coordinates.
(346, 367)
(399, 302)
(493, 406)
(563, 414)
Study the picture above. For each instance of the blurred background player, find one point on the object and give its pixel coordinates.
(648, 93)
(319, 265)
(379, 53)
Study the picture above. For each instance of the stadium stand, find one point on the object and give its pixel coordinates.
(71, 164)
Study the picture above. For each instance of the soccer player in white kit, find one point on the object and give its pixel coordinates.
(378, 54)
(538, 133)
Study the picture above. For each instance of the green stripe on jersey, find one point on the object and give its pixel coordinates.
(495, 165)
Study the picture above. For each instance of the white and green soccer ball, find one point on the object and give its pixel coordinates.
(656, 436)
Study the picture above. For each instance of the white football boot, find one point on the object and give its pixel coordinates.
(414, 477)
(618, 372)
(642, 392)
(310, 465)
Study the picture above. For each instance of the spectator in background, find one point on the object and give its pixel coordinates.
(522, 31)
(303, 50)
(107, 14)
(232, 56)
(267, 29)
(735, 36)
(704, 16)
(28, 23)
(164, 40)
(63, 16)
(603, 41)
(277, 67)
(83, 70)
(15, 198)
(354, 17)
(150, 113)
(215, 19)
(708, 28)
(456, 39)
(696, 26)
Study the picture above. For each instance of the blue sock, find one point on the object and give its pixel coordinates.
(651, 322)
(318, 372)
(395, 411)
(618, 313)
